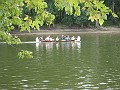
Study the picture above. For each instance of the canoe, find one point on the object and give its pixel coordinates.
(53, 40)
(57, 41)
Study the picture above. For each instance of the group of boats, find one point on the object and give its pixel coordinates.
(58, 39)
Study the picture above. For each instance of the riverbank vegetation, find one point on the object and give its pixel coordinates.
(32, 14)
(83, 20)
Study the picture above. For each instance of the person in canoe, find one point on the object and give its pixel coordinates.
(48, 38)
(57, 39)
(62, 38)
(41, 38)
(67, 38)
(78, 39)
(73, 38)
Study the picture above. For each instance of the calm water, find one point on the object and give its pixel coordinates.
(93, 64)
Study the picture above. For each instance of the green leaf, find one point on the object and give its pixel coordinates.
(101, 21)
(91, 18)
(115, 15)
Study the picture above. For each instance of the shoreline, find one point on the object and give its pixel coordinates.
(103, 30)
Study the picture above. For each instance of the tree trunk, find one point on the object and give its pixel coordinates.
(82, 25)
(97, 24)
(113, 6)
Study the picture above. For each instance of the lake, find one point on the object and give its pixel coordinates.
(93, 64)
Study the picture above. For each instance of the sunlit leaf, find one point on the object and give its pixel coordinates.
(26, 17)
(91, 18)
(115, 15)
(101, 21)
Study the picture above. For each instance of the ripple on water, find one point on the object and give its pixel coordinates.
(26, 67)
(80, 83)
(21, 83)
(103, 83)
(14, 87)
(89, 76)
(109, 89)
(44, 88)
(13, 76)
(68, 89)
(111, 81)
(25, 86)
(82, 77)
(87, 85)
(88, 88)
(24, 80)
(45, 81)
(5, 69)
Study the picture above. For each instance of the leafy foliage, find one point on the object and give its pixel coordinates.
(41, 15)
(24, 13)
(10, 14)
(96, 10)
(71, 6)
(9, 38)
(25, 54)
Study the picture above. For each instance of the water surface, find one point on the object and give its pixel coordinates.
(93, 64)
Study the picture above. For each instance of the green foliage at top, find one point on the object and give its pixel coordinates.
(10, 11)
(70, 6)
(96, 10)
(40, 17)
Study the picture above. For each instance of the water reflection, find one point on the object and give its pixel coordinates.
(57, 45)
(48, 50)
(49, 45)
(78, 44)
(64, 45)
(37, 46)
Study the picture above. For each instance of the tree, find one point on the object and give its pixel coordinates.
(13, 13)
